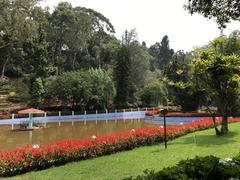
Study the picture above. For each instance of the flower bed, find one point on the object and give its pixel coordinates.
(176, 113)
(187, 114)
(4, 116)
(152, 112)
(34, 157)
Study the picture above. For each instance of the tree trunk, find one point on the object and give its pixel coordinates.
(214, 121)
(224, 128)
(3, 70)
(74, 60)
(215, 126)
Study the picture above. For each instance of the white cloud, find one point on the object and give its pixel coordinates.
(155, 18)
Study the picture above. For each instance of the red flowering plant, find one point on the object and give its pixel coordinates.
(34, 157)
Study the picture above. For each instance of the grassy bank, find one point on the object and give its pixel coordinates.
(133, 162)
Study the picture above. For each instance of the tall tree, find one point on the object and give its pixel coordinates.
(73, 28)
(122, 77)
(35, 55)
(16, 24)
(162, 53)
(219, 77)
(180, 90)
(165, 53)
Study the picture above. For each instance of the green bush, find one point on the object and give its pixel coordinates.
(208, 167)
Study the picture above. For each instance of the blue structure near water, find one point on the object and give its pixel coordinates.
(82, 117)
(102, 116)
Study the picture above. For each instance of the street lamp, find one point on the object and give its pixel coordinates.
(164, 112)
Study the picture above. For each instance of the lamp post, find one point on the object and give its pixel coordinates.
(164, 112)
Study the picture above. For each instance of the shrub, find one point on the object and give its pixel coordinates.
(208, 167)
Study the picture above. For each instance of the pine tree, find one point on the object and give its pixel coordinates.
(122, 75)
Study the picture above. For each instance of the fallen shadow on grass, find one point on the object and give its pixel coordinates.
(207, 140)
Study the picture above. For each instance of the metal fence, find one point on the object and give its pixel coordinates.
(74, 117)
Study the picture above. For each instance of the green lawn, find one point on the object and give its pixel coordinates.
(133, 162)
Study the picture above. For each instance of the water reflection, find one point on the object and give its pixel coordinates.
(53, 132)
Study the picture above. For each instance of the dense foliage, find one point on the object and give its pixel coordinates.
(209, 167)
(222, 10)
(90, 89)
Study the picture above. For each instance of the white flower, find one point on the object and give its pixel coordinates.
(181, 123)
(227, 161)
(94, 137)
(35, 146)
(161, 126)
(133, 130)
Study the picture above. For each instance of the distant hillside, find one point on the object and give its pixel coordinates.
(13, 95)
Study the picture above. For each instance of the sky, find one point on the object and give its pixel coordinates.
(155, 18)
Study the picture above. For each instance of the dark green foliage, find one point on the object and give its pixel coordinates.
(122, 77)
(204, 168)
(37, 92)
(218, 77)
(92, 89)
(187, 98)
(162, 53)
(35, 55)
(222, 10)
(182, 93)
(154, 94)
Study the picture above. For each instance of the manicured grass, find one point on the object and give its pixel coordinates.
(132, 163)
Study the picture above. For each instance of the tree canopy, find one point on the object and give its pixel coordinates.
(223, 11)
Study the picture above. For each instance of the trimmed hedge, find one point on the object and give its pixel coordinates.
(204, 168)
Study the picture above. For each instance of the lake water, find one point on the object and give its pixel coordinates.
(53, 132)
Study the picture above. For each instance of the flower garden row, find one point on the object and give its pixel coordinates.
(37, 157)
(156, 111)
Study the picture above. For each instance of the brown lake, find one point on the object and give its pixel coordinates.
(66, 130)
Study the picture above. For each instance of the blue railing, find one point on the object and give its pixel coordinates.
(82, 117)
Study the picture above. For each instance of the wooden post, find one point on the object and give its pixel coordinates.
(164, 112)
(12, 122)
(59, 115)
(165, 131)
(73, 117)
(85, 121)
